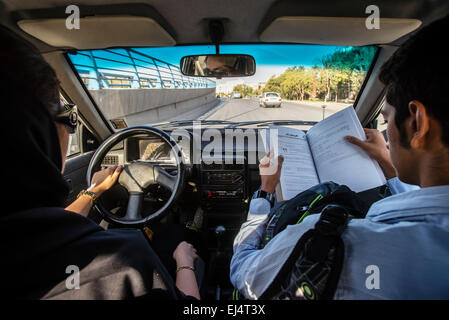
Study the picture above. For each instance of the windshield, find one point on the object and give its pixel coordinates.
(145, 86)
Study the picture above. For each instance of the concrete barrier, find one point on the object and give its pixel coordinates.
(144, 106)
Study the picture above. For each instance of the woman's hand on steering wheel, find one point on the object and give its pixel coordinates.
(136, 176)
(104, 179)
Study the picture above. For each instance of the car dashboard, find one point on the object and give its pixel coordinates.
(221, 185)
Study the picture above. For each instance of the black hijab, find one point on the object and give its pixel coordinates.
(31, 159)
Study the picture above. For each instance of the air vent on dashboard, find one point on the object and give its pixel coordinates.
(212, 166)
(110, 161)
(235, 166)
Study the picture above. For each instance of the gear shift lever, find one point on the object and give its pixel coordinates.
(219, 232)
(217, 262)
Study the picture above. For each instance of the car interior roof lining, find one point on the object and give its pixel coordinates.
(243, 21)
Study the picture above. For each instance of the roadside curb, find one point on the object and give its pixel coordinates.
(319, 104)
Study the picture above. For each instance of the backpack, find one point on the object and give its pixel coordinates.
(312, 201)
(312, 270)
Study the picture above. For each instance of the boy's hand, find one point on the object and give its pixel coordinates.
(270, 172)
(376, 147)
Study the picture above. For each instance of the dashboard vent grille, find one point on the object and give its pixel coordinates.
(212, 166)
(110, 161)
(235, 166)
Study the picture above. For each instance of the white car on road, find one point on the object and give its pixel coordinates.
(236, 95)
(270, 99)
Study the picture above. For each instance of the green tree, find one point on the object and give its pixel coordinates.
(243, 89)
(353, 62)
(274, 84)
(297, 83)
(340, 76)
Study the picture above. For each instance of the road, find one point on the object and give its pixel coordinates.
(237, 110)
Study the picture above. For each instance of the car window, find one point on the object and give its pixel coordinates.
(314, 82)
(380, 123)
(82, 140)
(74, 143)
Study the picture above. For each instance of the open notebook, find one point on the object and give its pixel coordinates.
(322, 154)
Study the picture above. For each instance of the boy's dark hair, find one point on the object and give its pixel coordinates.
(20, 60)
(419, 70)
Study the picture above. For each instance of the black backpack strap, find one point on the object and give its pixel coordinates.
(313, 268)
(327, 238)
(329, 227)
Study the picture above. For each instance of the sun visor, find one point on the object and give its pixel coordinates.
(336, 30)
(99, 32)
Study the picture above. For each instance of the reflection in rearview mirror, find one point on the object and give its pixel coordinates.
(218, 65)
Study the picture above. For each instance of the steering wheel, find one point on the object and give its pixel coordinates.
(138, 175)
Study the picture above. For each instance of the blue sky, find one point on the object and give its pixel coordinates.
(264, 54)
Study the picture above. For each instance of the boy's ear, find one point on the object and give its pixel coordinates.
(419, 124)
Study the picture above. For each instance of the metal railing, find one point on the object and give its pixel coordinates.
(128, 68)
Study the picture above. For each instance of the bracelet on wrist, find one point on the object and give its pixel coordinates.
(185, 267)
(89, 194)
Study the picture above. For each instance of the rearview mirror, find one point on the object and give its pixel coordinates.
(218, 65)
